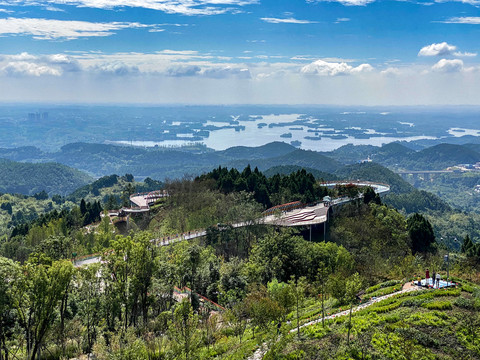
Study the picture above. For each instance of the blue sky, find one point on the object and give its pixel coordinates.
(240, 51)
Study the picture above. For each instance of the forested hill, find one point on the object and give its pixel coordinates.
(303, 158)
(161, 162)
(28, 178)
(288, 169)
(269, 150)
(399, 156)
(375, 172)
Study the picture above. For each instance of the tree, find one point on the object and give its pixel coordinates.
(370, 195)
(283, 294)
(83, 207)
(183, 328)
(322, 278)
(37, 296)
(262, 309)
(193, 260)
(299, 287)
(9, 275)
(143, 267)
(127, 192)
(237, 318)
(468, 247)
(354, 284)
(421, 234)
(89, 294)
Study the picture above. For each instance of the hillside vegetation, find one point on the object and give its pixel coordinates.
(262, 281)
(28, 178)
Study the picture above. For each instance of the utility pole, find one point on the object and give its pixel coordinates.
(447, 259)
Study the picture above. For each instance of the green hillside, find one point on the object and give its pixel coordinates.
(351, 154)
(288, 169)
(269, 150)
(444, 155)
(375, 172)
(432, 324)
(28, 178)
(115, 186)
(302, 158)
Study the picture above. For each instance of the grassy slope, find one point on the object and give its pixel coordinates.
(419, 325)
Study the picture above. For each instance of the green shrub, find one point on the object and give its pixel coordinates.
(418, 336)
(317, 331)
(446, 292)
(385, 284)
(415, 302)
(468, 288)
(431, 318)
(385, 291)
(438, 305)
(387, 308)
(463, 303)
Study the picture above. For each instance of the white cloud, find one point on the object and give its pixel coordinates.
(115, 68)
(24, 68)
(362, 68)
(391, 71)
(25, 64)
(184, 7)
(227, 71)
(440, 49)
(448, 66)
(54, 9)
(473, 20)
(464, 54)
(471, 2)
(46, 29)
(345, 2)
(183, 70)
(66, 63)
(340, 20)
(287, 21)
(321, 67)
(5, 11)
(21, 57)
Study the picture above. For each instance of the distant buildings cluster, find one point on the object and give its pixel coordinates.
(38, 116)
(466, 167)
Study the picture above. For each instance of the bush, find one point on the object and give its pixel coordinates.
(385, 284)
(438, 305)
(418, 336)
(387, 308)
(431, 318)
(317, 331)
(415, 302)
(385, 291)
(468, 288)
(446, 292)
(463, 303)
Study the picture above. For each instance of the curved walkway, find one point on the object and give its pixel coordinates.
(309, 215)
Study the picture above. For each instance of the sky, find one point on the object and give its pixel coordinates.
(335, 52)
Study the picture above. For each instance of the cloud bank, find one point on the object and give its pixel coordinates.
(47, 29)
(324, 68)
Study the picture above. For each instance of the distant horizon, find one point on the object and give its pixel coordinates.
(159, 105)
